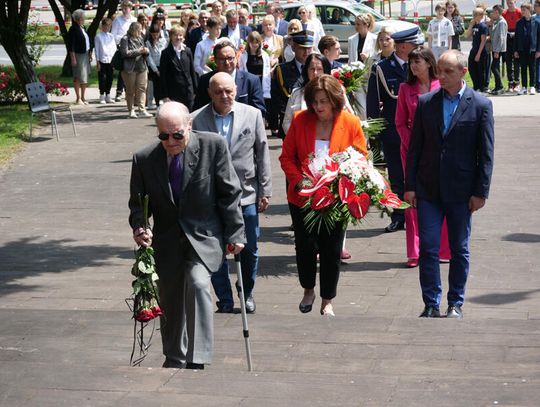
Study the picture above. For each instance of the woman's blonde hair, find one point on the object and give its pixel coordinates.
(177, 29)
(295, 25)
(367, 19)
(134, 28)
(386, 30)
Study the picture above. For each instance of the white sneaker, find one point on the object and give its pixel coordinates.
(522, 91)
(132, 115)
(108, 99)
(532, 91)
(102, 100)
(144, 113)
(118, 98)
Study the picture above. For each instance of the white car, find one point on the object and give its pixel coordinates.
(337, 17)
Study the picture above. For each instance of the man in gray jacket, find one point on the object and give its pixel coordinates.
(195, 207)
(497, 34)
(242, 126)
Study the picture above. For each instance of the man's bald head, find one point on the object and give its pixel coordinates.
(172, 111)
(222, 91)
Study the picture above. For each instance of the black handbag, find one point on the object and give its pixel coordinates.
(118, 61)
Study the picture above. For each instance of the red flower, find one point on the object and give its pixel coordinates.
(359, 205)
(346, 189)
(340, 81)
(348, 75)
(390, 199)
(156, 311)
(144, 315)
(265, 46)
(336, 74)
(322, 198)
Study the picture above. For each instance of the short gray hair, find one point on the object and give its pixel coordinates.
(459, 56)
(77, 15)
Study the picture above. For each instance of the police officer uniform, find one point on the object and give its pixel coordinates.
(383, 87)
(284, 78)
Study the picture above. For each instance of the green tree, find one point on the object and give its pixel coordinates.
(13, 32)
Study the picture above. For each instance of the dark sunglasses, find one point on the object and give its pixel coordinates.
(179, 135)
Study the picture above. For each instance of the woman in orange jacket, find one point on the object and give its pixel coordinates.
(323, 126)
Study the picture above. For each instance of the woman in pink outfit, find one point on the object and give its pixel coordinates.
(421, 78)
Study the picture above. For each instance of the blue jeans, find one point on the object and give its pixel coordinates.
(249, 259)
(458, 220)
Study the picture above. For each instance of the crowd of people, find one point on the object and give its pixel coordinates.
(220, 83)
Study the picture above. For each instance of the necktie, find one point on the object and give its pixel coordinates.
(175, 177)
(405, 66)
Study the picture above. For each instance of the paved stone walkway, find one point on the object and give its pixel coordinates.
(66, 253)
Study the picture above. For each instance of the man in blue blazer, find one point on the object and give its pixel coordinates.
(198, 34)
(233, 31)
(248, 86)
(282, 25)
(449, 166)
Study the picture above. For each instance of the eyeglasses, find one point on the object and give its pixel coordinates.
(178, 135)
(228, 59)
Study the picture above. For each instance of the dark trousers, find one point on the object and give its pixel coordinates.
(537, 74)
(527, 62)
(487, 71)
(105, 78)
(119, 84)
(154, 77)
(476, 70)
(496, 70)
(392, 156)
(326, 244)
(512, 64)
(458, 221)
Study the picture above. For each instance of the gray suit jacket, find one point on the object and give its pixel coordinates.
(208, 212)
(248, 148)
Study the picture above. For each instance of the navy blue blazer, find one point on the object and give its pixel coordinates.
(394, 75)
(454, 166)
(194, 37)
(244, 31)
(248, 90)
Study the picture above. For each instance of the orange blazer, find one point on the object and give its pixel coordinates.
(300, 143)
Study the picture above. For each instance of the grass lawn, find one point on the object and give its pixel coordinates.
(13, 128)
(54, 71)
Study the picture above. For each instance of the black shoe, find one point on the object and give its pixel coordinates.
(194, 366)
(430, 312)
(173, 364)
(454, 311)
(250, 305)
(225, 309)
(305, 308)
(395, 226)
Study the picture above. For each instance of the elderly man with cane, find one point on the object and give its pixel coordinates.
(194, 196)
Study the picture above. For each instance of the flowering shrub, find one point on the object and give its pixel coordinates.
(12, 89)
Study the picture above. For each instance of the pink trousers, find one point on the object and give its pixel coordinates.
(413, 241)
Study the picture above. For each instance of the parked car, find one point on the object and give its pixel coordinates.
(337, 17)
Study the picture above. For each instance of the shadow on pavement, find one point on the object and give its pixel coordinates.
(33, 255)
(503, 298)
(522, 238)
